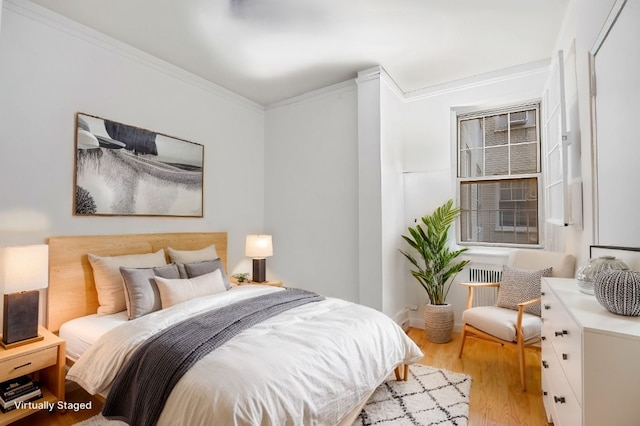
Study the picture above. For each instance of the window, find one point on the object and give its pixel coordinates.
(499, 176)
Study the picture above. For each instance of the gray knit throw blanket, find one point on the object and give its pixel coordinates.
(142, 387)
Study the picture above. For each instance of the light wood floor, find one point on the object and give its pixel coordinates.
(496, 396)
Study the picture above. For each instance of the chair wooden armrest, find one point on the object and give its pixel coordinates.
(521, 308)
(471, 286)
(529, 302)
(481, 284)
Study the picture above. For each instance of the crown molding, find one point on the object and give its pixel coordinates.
(345, 86)
(493, 77)
(51, 19)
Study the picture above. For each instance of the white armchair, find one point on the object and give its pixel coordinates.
(515, 321)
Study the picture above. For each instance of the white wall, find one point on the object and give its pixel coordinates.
(583, 22)
(311, 191)
(296, 171)
(370, 259)
(429, 140)
(51, 68)
(380, 192)
(394, 288)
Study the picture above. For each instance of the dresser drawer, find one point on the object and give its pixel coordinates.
(565, 409)
(547, 397)
(28, 363)
(565, 338)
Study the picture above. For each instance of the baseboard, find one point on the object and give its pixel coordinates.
(402, 319)
(419, 323)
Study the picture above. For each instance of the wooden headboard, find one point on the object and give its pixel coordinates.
(72, 291)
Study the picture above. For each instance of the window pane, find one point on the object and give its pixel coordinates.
(523, 127)
(504, 211)
(524, 158)
(497, 161)
(496, 130)
(471, 163)
(471, 133)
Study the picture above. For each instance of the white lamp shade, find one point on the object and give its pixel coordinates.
(259, 246)
(24, 268)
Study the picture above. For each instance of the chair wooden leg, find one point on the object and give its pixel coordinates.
(462, 340)
(406, 372)
(523, 370)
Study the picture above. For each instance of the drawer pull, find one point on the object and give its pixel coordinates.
(565, 357)
(545, 364)
(559, 399)
(561, 333)
(20, 366)
(547, 306)
(542, 293)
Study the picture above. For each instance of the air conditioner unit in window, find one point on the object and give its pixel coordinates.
(518, 118)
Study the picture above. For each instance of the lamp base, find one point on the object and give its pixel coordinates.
(21, 342)
(20, 317)
(259, 270)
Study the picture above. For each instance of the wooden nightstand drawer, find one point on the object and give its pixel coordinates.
(28, 363)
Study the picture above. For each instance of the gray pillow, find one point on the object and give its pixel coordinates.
(140, 288)
(195, 269)
(520, 285)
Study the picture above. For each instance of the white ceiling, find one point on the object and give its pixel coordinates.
(269, 50)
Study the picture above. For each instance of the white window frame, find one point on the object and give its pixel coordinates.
(480, 113)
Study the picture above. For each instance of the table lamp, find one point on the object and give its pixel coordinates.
(259, 247)
(23, 270)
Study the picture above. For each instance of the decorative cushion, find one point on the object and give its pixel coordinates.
(177, 291)
(189, 256)
(520, 285)
(140, 289)
(195, 269)
(501, 322)
(109, 284)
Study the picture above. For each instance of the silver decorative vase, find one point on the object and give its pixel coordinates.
(586, 274)
(619, 291)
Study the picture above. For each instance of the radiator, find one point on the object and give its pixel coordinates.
(485, 274)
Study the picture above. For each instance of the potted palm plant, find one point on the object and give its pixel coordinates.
(435, 268)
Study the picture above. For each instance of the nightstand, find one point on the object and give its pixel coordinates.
(44, 361)
(271, 283)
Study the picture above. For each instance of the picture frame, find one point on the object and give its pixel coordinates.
(123, 170)
(629, 255)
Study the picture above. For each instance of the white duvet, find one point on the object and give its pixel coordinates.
(311, 365)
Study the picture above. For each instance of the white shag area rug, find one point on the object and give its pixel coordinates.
(430, 397)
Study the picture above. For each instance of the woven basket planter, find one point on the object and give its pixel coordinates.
(619, 291)
(438, 322)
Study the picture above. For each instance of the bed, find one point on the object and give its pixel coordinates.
(313, 364)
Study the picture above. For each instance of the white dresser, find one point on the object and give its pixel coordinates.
(590, 359)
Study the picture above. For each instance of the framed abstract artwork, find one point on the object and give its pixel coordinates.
(125, 170)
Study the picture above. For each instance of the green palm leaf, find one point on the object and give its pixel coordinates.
(434, 266)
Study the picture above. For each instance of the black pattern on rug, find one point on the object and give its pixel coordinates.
(430, 397)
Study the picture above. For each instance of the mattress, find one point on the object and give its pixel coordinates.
(81, 333)
(312, 365)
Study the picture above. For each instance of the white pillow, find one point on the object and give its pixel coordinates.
(108, 280)
(174, 291)
(188, 256)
